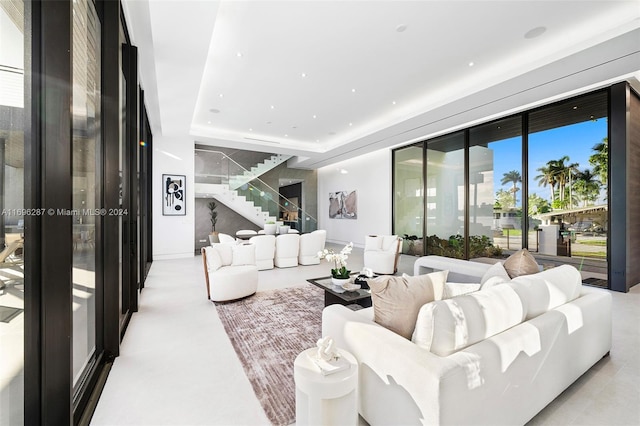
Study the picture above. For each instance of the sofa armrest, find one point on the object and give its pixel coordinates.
(460, 271)
(390, 366)
(334, 317)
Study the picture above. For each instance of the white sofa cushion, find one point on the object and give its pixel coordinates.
(458, 289)
(446, 326)
(214, 262)
(225, 251)
(396, 300)
(496, 274)
(549, 289)
(372, 242)
(244, 254)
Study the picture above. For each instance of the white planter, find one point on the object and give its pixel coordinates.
(213, 238)
(284, 229)
(339, 281)
(270, 228)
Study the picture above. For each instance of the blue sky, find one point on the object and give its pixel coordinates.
(576, 141)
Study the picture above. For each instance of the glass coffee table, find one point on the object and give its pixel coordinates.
(334, 294)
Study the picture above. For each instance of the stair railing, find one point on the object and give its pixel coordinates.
(216, 167)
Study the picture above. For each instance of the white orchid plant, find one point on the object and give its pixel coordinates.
(339, 260)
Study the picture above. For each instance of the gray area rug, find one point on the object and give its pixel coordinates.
(268, 330)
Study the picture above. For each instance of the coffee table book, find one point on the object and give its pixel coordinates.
(329, 367)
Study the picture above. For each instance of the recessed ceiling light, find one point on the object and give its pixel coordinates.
(353, 90)
(471, 64)
(535, 32)
(250, 129)
(239, 54)
(215, 111)
(400, 28)
(209, 122)
(272, 107)
(221, 95)
(350, 124)
(343, 171)
(393, 102)
(575, 107)
(303, 75)
(286, 135)
(315, 116)
(317, 140)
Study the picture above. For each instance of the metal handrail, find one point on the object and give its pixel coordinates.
(241, 167)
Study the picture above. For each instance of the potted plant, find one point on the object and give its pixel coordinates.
(339, 274)
(270, 228)
(213, 236)
(411, 240)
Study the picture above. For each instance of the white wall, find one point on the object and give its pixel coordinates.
(173, 236)
(368, 174)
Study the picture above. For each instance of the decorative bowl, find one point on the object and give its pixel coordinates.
(351, 286)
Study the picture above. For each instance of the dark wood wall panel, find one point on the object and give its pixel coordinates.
(633, 191)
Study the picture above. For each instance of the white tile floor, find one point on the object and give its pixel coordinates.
(177, 366)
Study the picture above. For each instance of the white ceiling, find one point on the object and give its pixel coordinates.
(327, 80)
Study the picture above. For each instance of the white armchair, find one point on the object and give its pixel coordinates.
(230, 271)
(381, 253)
(310, 245)
(287, 249)
(265, 250)
(323, 236)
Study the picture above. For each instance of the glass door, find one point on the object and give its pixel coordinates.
(408, 195)
(14, 119)
(86, 182)
(445, 196)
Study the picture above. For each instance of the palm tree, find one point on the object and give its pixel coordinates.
(600, 160)
(514, 177)
(587, 186)
(563, 174)
(547, 177)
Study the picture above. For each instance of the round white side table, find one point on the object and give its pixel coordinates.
(325, 400)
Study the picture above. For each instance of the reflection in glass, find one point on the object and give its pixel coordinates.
(495, 187)
(445, 196)
(85, 145)
(14, 110)
(408, 194)
(568, 158)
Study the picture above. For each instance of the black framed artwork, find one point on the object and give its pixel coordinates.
(173, 198)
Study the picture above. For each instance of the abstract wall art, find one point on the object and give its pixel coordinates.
(173, 199)
(343, 205)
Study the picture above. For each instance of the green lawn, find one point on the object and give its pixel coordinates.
(600, 243)
(596, 254)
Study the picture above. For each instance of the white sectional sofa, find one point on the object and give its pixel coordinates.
(492, 357)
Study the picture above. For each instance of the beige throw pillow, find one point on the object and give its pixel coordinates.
(397, 300)
(521, 263)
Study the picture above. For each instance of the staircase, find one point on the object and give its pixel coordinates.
(259, 169)
(238, 203)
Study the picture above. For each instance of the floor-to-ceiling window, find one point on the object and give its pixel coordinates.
(568, 169)
(535, 180)
(86, 144)
(445, 196)
(408, 198)
(59, 112)
(495, 186)
(14, 119)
